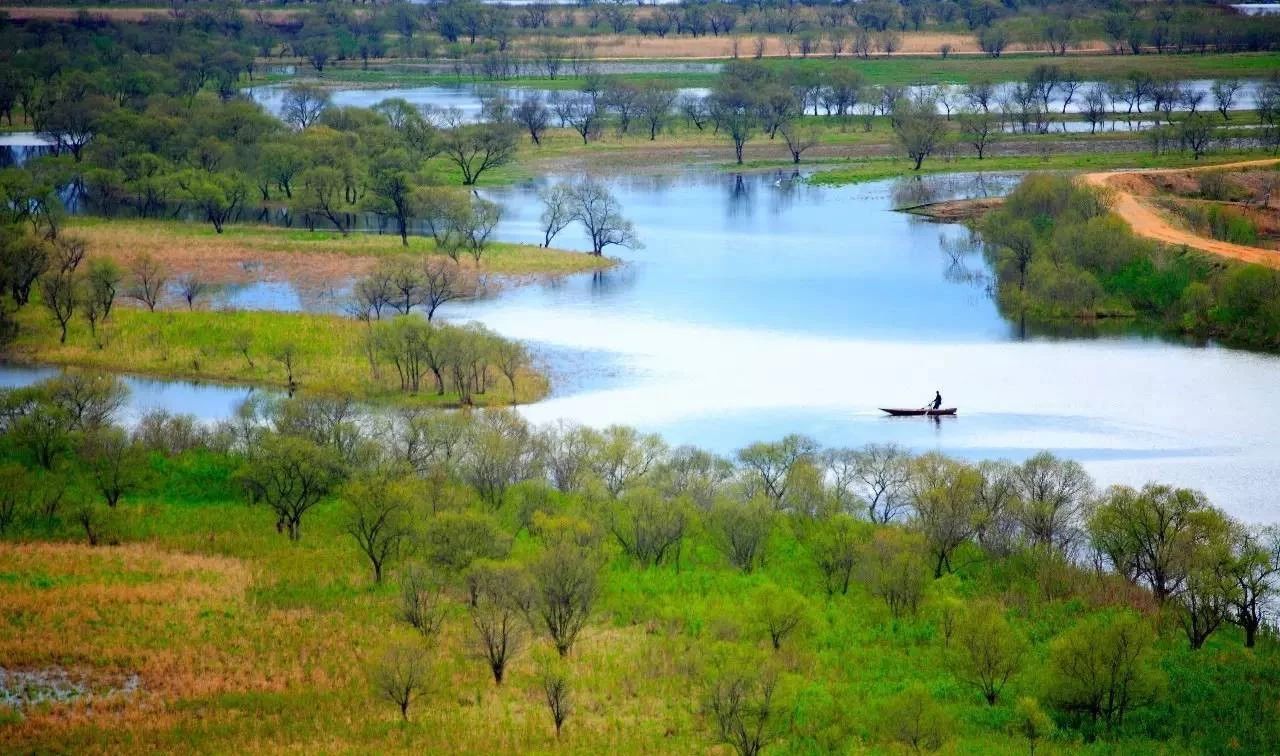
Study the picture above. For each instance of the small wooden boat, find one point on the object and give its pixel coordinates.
(919, 412)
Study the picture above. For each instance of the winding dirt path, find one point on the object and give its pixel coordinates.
(1147, 221)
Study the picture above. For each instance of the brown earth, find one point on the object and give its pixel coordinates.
(955, 211)
(1130, 191)
(911, 43)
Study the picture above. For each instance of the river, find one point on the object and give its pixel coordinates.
(466, 97)
(761, 305)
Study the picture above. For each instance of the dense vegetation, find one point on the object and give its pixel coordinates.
(471, 583)
(1057, 252)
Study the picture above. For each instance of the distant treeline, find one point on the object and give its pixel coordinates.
(322, 33)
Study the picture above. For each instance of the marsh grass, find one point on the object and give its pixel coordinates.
(205, 345)
(191, 243)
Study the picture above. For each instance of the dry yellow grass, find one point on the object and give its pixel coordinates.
(708, 46)
(314, 260)
(220, 670)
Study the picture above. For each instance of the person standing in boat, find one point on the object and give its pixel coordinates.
(937, 401)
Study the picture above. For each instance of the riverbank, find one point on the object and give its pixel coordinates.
(245, 253)
(876, 169)
(319, 355)
(897, 70)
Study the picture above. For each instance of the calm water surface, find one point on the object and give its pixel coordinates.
(466, 97)
(761, 306)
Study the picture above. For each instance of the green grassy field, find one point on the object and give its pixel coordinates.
(245, 641)
(872, 170)
(899, 70)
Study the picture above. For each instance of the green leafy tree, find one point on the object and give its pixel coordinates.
(1103, 668)
(914, 719)
(985, 651)
(379, 513)
(477, 148)
(780, 613)
(1031, 722)
(117, 464)
(290, 475)
(918, 126)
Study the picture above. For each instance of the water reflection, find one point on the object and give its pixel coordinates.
(208, 402)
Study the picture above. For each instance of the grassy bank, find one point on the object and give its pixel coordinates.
(873, 170)
(898, 70)
(328, 353)
(192, 243)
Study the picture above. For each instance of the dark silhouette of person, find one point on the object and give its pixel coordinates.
(937, 400)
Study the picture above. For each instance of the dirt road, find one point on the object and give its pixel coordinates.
(1151, 223)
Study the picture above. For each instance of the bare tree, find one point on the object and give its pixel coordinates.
(379, 505)
(742, 532)
(979, 129)
(1224, 95)
(500, 598)
(401, 676)
(303, 105)
(287, 355)
(600, 214)
(532, 113)
(581, 112)
(191, 286)
(835, 546)
(769, 465)
(566, 583)
(740, 704)
(511, 357)
(479, 224)
(444, 281)
(372, 292)
(557, 210)
(799, 139)
(68, 253)
(555, 688)
(918, 126)
(148, 278)
(780, 612)
(881, 474)
(117, 464)
(655, 103)
(422, 602)
(648, 527)
(58, 293)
